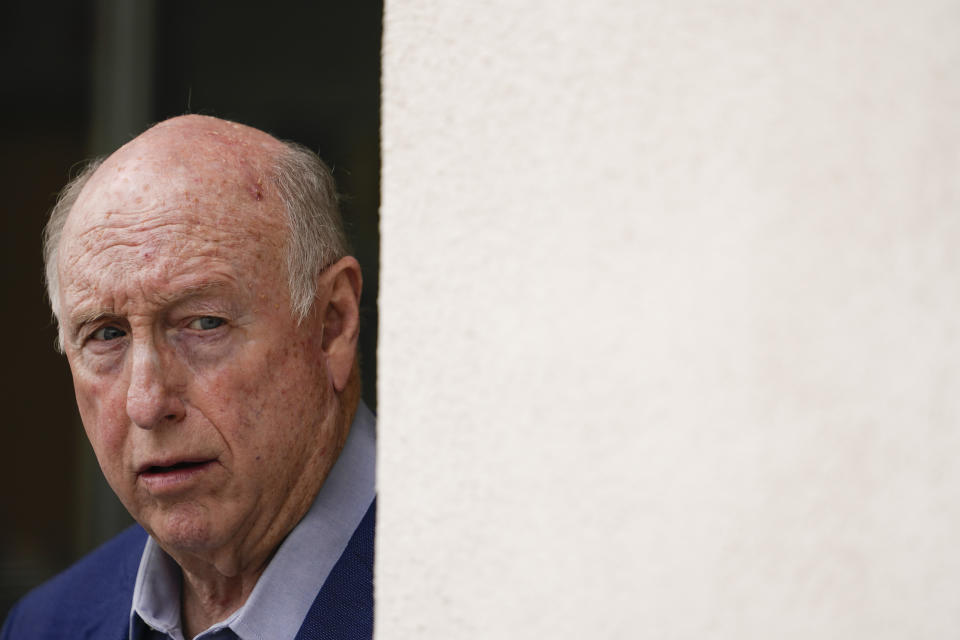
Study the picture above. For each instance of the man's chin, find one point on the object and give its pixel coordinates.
(186, 528)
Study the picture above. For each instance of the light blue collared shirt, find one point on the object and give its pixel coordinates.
(288, 586)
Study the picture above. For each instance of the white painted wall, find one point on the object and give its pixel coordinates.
(670, 320)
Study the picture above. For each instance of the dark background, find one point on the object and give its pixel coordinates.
(78, 80)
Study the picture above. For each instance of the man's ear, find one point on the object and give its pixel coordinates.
(338, 290)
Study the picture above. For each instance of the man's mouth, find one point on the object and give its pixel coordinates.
(186, 464)
(170, 478)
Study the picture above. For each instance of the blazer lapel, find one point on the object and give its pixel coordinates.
(343, 610)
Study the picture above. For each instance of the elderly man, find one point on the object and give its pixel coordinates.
(209, 313)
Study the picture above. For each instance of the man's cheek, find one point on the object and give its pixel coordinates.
(233, 393)
(104, 419)
(95, 392)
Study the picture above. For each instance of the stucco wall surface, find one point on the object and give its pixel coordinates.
(670, 320)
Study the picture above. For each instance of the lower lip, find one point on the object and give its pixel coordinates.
(158, 482)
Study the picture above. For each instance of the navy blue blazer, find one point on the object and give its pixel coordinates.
(92, 598)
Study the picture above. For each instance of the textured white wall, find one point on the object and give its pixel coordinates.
(670, 320)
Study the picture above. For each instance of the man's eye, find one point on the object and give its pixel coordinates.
(206, 323)
(107, 333)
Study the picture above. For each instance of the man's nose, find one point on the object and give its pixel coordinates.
(152, 397)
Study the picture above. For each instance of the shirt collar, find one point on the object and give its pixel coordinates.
(288, 586)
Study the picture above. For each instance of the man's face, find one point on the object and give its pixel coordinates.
(208, 407)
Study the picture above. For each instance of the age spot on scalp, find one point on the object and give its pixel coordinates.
(256, 190)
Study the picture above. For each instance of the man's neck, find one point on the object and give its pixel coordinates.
(206, 602)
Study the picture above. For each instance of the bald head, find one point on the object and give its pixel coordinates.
(195, 153)
(220, 175)
(194, 137)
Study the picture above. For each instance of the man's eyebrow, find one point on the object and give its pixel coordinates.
(193, 291)
(89, 316)
(92, 315)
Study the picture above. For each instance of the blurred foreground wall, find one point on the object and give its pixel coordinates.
(670, 320)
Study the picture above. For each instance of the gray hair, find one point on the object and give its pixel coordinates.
(54, 229)
(316, 237)
(306, 188)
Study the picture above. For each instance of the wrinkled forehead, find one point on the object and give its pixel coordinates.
(190, 189)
